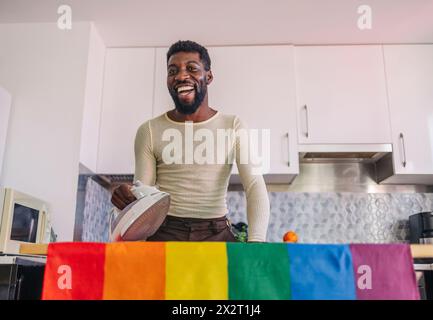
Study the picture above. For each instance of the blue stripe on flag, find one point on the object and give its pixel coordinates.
(321, 272)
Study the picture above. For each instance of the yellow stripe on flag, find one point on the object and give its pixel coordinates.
(196, 271)
(134, 270)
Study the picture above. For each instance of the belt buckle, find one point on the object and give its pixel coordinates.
(228, 223)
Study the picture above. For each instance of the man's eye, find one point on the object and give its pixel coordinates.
(192, 69)
(171, 72)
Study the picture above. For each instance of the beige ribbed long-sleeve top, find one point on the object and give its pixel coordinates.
(193, 173)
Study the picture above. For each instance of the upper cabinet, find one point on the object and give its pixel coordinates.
(341, 95)
(409, 71)
(162, 102)
(5, 107)
(92, 103)
(256, 83)
(306, 96)
(126, 103)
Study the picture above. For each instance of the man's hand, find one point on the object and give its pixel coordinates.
(122, 196)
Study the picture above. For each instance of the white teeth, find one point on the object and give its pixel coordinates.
(186, 88)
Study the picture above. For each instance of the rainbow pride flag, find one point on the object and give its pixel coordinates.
(221, 271)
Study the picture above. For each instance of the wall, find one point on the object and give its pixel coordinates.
(45, 70)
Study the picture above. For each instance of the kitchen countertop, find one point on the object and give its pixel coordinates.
(418, 250)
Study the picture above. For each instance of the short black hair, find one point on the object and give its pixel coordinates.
(190, 46)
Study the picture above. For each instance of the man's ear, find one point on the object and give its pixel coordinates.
(209, 77)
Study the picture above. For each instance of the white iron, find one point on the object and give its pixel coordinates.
(141, 218)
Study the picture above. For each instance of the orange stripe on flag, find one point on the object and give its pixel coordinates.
(135, 270)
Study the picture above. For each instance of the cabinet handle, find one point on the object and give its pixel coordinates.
(18, 286)
(306, 120)
(288, 149)
(404, 149)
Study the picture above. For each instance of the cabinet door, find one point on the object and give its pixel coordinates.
(92, 103)
(5, 106)
(409, 70)
(341, 95)
(163, 101)
(257, 84)
(126, 104)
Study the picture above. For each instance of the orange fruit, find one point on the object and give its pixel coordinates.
(290, 236)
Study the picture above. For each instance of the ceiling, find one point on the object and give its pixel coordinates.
(236, 22)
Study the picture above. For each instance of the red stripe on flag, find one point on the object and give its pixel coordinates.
(74, 270)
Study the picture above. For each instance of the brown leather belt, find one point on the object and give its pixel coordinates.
(196, 224)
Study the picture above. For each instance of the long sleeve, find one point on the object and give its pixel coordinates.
(258, 207)
(145, 162)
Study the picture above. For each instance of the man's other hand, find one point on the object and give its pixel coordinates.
(122, 196)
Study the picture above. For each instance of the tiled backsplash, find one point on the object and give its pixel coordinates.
(96, 213)
(315, 217)
(338, 217)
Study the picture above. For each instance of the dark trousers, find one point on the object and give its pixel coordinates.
(193, 229)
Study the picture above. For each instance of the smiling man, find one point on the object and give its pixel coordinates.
(186, 168)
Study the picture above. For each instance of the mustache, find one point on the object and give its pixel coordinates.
(178, 84)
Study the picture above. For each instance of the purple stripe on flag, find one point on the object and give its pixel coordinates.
(384, 272)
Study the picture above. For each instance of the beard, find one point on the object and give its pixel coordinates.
(190, 108)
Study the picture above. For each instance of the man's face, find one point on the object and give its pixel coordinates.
(187, 81)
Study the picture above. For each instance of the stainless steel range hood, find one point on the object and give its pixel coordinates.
(343, 153)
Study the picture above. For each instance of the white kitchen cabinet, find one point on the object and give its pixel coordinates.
(256, 83)
(126, 103)
(341, 95)
(163, 101)
(5, 107)
(409, 72)
(92, 103)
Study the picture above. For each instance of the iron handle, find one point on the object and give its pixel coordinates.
(404, 149)
(306, 121)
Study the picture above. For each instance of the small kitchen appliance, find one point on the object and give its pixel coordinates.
(24, 219)
(421, 228)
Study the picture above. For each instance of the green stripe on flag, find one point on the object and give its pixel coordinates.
(258, 271)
